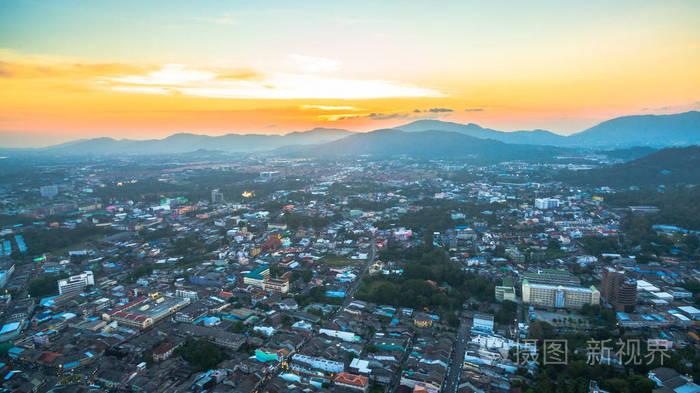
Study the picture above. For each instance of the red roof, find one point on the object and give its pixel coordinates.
(351, 379)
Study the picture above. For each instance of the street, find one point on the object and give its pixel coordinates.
(455, 367)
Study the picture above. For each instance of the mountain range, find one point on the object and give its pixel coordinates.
(183, 142)
(682, 129)
(428, 144)
(657, 131)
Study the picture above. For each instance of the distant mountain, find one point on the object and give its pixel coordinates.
(428, 144)
(670, 166)
(682, 129)
(651, 131)
(183, 142)
(534, 137)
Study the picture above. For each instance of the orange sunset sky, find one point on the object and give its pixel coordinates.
(125, 69)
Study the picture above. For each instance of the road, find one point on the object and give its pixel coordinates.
(455, 367)
(349, 296)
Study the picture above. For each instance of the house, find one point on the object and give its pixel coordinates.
(288, 304)
(351, 381)
(163, 351)
(670, 381)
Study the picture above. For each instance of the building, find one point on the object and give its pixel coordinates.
(257, 276)
(559, 296)
(163, 351)
(515, 255)
(186, 294)
(76, 283)
(145, 311)
(680, 293)
(351, 381)
(48, 191)
(319, 363)
(270, 175)
(260, 278)
(483, 322)
(402, 234)
(345, 336)
(552, 277)
(264, 355)
(505, 293)
(546, 203)
(619, 290)
(217, 196)
(670, 381)
(278, 285)
(5, 275)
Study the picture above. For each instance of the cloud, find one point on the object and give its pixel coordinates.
(383, 116)
(316, 64)
(693, 106)
(178, 79)
(329, 108)
(370, 116)
(440, 110)
(215, 82)
(336, 117)
(43, 67)
(474, 110)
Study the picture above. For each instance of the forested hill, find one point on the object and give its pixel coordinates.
(671, 166)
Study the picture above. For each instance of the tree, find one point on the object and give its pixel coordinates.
(46, 285)
(201, 354)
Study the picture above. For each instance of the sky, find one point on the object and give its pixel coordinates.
(139, 70)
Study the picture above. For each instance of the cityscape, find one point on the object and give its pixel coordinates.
(227, 224)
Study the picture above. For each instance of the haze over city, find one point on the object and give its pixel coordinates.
(141, 70)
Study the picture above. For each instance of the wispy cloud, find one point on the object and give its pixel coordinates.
(426, 114)
(440, 110)
(387, 116)
(329, 108)
(178, 79)
(38, 67)
(434, 110)
(693, 106)
(474, 110)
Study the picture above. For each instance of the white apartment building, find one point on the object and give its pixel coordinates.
(546, 203)
(76, 283)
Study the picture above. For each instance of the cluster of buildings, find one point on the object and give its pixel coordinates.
(260, 271)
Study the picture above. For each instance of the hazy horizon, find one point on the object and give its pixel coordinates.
(18, 139)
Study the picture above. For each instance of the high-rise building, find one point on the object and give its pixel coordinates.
(618, 289)
(559, 296)
(217, 196)
(552, 276)
(76, 283)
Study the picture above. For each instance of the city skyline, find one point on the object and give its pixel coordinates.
(140, 71)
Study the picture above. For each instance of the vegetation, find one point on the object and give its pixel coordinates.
(40, 241)
(295, 221)
(429, 281)
(46, 285)
(678, 165)
(201, 353)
